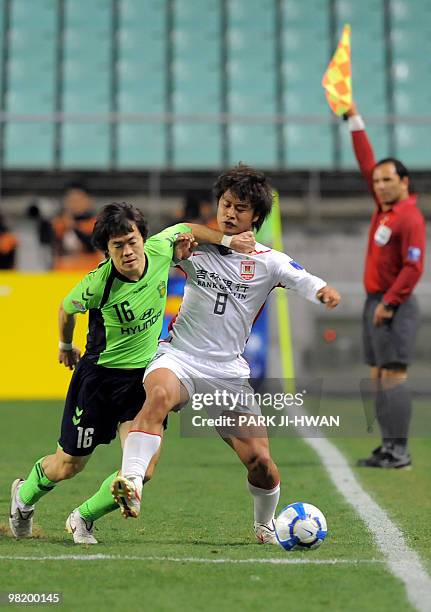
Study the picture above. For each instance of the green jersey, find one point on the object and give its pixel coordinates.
(126, 317)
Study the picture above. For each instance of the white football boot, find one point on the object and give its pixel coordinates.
(127, 494)
(265, 533)
(81, 530)
(20, 521)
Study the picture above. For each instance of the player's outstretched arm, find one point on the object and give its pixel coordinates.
(329, 296)
(67, 353)
(242, 243)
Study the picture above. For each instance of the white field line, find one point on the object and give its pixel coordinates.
(270, 561)
(403, 562)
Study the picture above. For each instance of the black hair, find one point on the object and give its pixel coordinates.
(117, 219)
(400, 168)
(249, 185)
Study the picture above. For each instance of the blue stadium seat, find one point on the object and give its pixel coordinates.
(253, 144)
(196, 145)
(412, 145)
(85, 145)
(29, 145)
(141, 146)
(308, 146)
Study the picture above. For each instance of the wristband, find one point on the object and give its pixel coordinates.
(356, 123)
(65, 346)
(389, 307)
(226, 240)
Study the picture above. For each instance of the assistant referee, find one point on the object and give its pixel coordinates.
(394, 263)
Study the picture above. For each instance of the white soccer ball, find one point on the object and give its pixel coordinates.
(300, 526)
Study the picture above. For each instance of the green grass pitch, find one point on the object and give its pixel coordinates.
(197, 507)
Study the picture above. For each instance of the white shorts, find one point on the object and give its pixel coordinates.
(226, 381)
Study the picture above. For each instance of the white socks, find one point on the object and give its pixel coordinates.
(265, 502)
(139, 449)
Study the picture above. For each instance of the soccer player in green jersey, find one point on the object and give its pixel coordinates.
(125, 297)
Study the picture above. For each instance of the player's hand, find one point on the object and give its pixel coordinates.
(69, 358)
(382, 314)
(329, 296)
(184, 244)
(243, 243)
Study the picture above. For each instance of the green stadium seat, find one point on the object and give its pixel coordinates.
(85, 145)
(308, 146)
(415, 17)
(143, 16)
(253, 144)
(412, 145)
(197, 145)
(141, 66)
(88, 16)
(368, 52)
(29, 145)
(305, 52)
(252, 16)
(141, 146)
(36, 15)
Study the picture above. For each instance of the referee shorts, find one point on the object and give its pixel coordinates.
(393, 341)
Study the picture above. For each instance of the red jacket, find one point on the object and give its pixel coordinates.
(395, 254)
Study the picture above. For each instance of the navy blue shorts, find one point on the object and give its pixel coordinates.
(394, 341)
(98, 400)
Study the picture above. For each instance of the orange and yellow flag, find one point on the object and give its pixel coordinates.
(337, 79)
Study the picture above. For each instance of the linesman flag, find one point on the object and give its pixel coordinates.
(337, 79)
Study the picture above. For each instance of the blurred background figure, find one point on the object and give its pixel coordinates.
(198, 207)
(72, 229)
(8, 246)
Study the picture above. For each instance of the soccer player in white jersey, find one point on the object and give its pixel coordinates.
(223, 295)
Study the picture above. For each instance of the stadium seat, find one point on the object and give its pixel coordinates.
(141, 66)
(35, 15)
(141, 146)
(368, 52)
(412, 145)
(253, 144)
(85, 145)
(308, 146)
(29, 145)
(31, 58)
(305, 52)
(87, 74)
(197, 145)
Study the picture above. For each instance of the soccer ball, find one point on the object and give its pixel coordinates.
(300, 526)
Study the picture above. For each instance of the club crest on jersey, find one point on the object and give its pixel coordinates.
(162, 289)
(247, 269)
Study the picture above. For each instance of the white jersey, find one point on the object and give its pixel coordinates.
(224, 294)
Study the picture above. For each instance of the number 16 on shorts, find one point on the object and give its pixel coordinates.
(85, 437)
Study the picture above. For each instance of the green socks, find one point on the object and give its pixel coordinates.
(101, 503)
(36, 485)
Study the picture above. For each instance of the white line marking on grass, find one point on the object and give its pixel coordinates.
(403, 562)
(272, 561)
